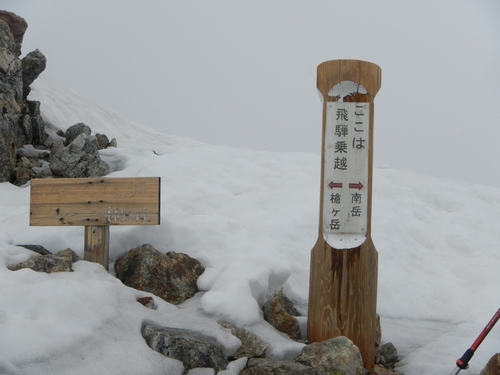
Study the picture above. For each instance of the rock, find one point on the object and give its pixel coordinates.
(336, 355)
(386, 355)
(39, 135)
(378, 332)
(60, 262)
(381, 370)
(492, 367)
(170, 276)
(148, 302)
(19, 124)
(102, 141)
(11, 88)
(17, 27)
(278, 311)
(191, 348)
(34, 64)
(70, 255)
(79, 159)
(75, 130)
(251, 345)
(265, 366)
(37, 249)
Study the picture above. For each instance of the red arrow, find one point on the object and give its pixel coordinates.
(335, 185)
(358, 186)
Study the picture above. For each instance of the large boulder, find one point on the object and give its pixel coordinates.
(171, 276)
(338, 355)
(191, 348)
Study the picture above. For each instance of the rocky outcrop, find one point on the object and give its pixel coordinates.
(78, 156)
(171, 276)
(191, 348)
(20, 120)
(21, 123)
(17, 27)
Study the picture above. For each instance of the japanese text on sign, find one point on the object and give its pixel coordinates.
(345, 188)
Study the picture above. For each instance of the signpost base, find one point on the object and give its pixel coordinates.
(343, 296)
(96, 248)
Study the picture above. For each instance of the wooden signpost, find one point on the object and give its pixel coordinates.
(97, 204)
(344, 261)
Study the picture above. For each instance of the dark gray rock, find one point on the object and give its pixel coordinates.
(38, 133)
(75, 130)
(334, 356)
(170, 276)
(102, 141)
(251, 345)
(279, 312)
(11, 88)
(386, 355)
(17, 126)
(34, 63)
(265, 366)
(37, 249)
(191, 348)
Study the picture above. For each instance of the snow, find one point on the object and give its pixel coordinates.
(251, 218)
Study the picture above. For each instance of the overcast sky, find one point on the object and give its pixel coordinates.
(243, 73)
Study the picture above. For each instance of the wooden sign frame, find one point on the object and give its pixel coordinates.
(343, 282)
(96, 204)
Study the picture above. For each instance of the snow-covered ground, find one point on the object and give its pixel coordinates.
(251, 218)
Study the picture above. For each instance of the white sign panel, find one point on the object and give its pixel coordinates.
(345, 199)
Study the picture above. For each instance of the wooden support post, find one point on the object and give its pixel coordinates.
(344, 261)
(96, 247)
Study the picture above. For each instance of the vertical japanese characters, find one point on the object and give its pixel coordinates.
(346, 174)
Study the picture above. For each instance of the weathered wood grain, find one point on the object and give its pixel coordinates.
(95, 201)
(343, 283)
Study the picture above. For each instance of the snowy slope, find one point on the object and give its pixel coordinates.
(251, 218)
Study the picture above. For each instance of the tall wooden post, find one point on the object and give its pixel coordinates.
(344, 261)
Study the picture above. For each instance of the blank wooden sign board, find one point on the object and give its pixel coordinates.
(344, 261)
(96, 204)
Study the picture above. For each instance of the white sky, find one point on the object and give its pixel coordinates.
(243, 73)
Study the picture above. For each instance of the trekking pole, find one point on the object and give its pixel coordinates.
(463, 362)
